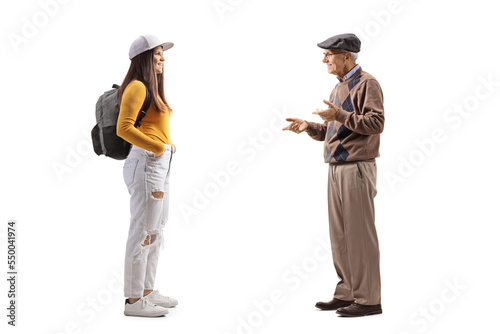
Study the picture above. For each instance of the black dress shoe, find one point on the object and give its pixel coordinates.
(333, 304)
(358, 310)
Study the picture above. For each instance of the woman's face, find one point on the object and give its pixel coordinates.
(158, 59)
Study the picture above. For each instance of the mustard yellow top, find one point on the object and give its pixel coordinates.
(154, 130)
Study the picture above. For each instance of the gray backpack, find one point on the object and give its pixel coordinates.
(104, 136)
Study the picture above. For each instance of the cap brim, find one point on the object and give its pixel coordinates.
(166, 46)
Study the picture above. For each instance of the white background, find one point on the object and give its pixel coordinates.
(228, 76)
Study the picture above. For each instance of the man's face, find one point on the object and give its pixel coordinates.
(335, 60)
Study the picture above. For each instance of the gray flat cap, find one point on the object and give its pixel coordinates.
(348, 42)
(145, 43)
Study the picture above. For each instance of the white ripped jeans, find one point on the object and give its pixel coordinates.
(144, 175)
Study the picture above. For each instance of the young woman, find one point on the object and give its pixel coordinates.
(146, 173)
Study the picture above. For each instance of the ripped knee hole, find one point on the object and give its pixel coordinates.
(150, 238)
(157, 194)
(146, 242)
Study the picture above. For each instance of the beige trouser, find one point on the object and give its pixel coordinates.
(351, 190)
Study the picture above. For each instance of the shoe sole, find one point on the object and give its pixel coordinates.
(166, 305)
(329, 309)
(359, 315)
(151, 315)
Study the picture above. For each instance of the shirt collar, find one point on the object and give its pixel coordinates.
(351, 72)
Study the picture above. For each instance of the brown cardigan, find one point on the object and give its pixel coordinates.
(355, 135)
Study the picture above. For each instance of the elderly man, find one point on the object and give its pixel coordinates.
(351, 131)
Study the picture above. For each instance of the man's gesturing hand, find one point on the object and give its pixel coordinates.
(328, 114)
(296, 126)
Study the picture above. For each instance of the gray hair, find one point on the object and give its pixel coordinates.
(354, 56)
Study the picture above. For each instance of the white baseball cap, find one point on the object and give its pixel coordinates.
(145, 43)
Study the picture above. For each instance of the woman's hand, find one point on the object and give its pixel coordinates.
(158, 155)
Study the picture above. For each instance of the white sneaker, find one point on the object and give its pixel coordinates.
(144, 308)
(156, 298)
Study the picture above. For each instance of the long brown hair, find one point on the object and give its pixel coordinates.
(142, 69)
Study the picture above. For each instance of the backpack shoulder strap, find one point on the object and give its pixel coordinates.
(144, 108)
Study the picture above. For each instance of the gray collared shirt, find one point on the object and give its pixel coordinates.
(351, 72)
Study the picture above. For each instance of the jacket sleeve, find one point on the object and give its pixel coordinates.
(316, 131)
(132, 101)
(369, 118)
